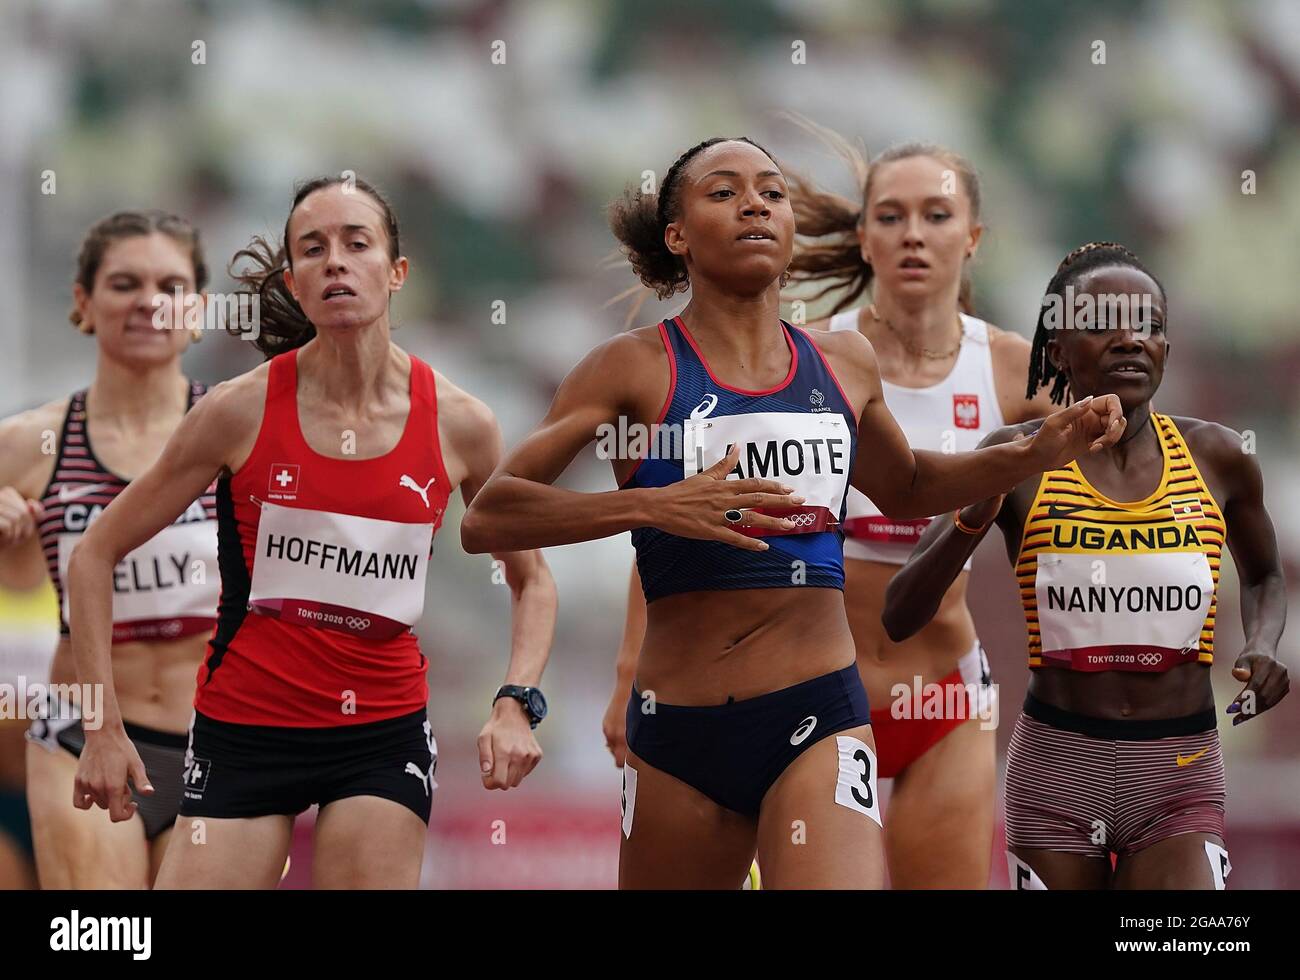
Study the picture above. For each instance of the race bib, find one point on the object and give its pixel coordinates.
(357, 575)
(808, 452)
(167, 587)
(1122, 612)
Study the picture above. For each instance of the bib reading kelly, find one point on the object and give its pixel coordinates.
(356, 575)
(162, 585)
(807, 452)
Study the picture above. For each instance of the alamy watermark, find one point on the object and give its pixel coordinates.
(949, 700)
(1088, 311)
(38, 701)
(237, 313)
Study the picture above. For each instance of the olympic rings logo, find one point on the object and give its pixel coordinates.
(1148, 659)
(803, 520)
(357, 623)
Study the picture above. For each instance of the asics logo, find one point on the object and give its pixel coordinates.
(804, 730)
(1186, 760)
(410, 484)
(703, 409)
(68, 494)
(1148, 659)
(357, 623)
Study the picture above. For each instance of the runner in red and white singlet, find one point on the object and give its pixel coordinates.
(339, 546)
(335, 462)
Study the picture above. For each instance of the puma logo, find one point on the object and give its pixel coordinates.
(423, 491)
(1187, 760)
(422, 775)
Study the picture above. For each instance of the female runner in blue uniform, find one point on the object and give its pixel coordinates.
(748, 725)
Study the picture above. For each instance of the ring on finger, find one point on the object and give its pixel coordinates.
(733, 516)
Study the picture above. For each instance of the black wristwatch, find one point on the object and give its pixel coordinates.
(531, 698)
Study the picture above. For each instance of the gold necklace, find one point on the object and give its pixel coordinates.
(911, 347)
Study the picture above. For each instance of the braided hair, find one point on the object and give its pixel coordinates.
(1084, 259)
(639, 220)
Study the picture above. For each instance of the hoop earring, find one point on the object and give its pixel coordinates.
(785, 278)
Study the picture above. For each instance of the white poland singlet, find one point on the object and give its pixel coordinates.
(951, 416)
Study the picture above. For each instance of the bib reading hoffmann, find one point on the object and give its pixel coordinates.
(357, 575)
(810, 453)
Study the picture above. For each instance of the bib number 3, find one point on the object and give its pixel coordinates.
(855, 786)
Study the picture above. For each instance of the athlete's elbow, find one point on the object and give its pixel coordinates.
(475, 531)
(896, 628)
(86, 556)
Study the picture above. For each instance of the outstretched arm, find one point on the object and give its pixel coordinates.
(518, 508)
(915, 593)
(203, 443)
(907, 483)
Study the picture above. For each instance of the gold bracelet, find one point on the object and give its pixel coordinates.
(956, 519)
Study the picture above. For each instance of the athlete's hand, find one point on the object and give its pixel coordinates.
(694, 507)
(108, 767)
(18, 517)
(1089, 425)
(1266, 684)
(614, 725)
(507, 750)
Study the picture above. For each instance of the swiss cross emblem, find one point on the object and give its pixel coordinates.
(966, 411)
(284, 478)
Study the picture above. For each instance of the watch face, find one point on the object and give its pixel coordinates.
(537, 703)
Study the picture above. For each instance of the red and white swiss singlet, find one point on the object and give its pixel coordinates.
(323, 566)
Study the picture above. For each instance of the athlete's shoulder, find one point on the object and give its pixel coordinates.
(850, 343)
(232, 406)
(1007, 343)
(624, 361)
(1224, 450)
(846, 349)
(17, 429)
(642, 342)
(1010, 354)
(26, 441)
(460, 414)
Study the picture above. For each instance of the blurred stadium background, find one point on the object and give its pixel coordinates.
(500, 172)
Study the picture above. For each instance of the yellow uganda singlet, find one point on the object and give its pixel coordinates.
(1122, 586)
